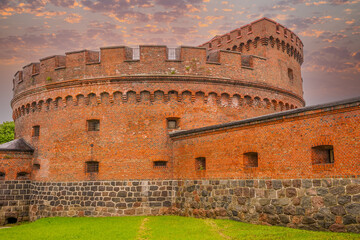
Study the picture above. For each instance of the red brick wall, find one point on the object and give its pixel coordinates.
(11, 163)
(132, 99)
(284, 147)
(281, 51)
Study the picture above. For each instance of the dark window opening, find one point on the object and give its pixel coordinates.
(172, 123)
(160, 164)
(36, 166)
(2, 176)
(22, 176)
(93, 125)
(210, 45)
(251, 159)
(323, 154)
(200, 163)
(290, 74)
(11, 220)
(92, 167)
(36, 131)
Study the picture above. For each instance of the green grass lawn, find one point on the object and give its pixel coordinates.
(159, 228)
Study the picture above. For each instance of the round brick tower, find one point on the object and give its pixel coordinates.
(106, 115)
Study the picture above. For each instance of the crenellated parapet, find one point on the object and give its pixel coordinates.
(263, 32)
(124, 61)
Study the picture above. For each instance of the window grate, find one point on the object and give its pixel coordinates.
(160, 164)
(36, 131)
(92, 167)
(93, 125)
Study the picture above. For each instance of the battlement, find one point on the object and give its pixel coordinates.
(263, 31)
(125, 61)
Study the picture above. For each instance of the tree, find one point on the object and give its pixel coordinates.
(7, 132)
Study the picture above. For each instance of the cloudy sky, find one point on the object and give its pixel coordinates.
(329, 29)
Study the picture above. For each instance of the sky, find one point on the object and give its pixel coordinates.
(329, 29)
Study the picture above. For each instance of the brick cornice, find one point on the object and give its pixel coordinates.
(154, 79)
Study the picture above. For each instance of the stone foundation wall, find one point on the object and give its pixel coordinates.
(14, 200)
(100, 198)
(312, 204)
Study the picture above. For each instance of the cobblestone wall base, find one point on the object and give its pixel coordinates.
(312, 204)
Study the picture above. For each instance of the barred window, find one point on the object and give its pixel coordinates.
(160, 164)
(93, 125)
(36, 131)
(200, 163)
(92, 167)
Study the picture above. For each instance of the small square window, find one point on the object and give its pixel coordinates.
(323, 154)
(93, 125)
(92, 167)
(36, 131)
(160, 164)
(200, 163)
(36, 166)
(251, 159)
(172, 123)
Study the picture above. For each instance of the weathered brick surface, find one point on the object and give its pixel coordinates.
(284, 146)
(11, 163)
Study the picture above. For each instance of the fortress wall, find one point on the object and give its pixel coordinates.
(237, 95)
(126, 128)
(113, 63)
(11, 163)
(282, 51)
(14, 200)
(312, 204)
(101, 198)
(284, 144)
